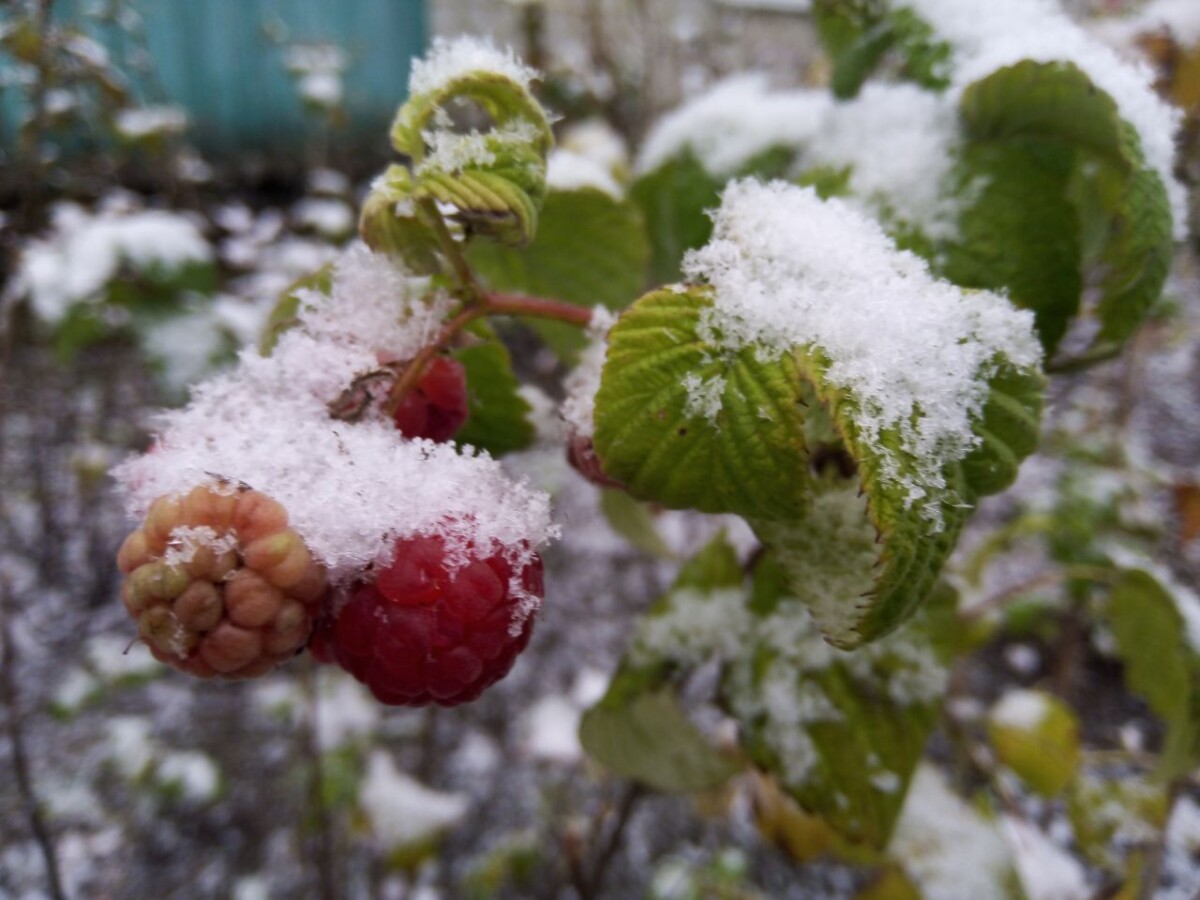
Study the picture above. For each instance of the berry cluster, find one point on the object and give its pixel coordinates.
(219, 585)
(436, 408)
(425, 631)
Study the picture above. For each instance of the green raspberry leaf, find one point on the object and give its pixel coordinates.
(843, 732)
(590, 249)
(642, 733)
(639, 729)
(498, 416)
(687, 425)
(1022, 233)
(1009, 429)
(1161, 665)
(673, 199)
(496, 177)
(1061, 199)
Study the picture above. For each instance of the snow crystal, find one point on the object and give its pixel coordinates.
(988, 36)
(1182, 851)
(129, 745)
(695, 626)
(329, 217)
(1181, 17)
(733, 122)
(551, 730)
(84, 253)
(451, 151)
(1046, 872)
(791, 271)
(703, 396)
(770, 687)
(945, 846)
(151, 120)
(350, 488)
(1021, 709)
(569, 171)
(598, 141)
(452, 59)
(579, 407)
(899, 141)
(404, 812)
(191, 772)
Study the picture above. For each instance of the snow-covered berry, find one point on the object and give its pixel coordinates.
(430, 629)
(218, 583)
(436, 407)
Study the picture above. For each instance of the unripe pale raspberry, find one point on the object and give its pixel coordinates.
(421, 633)
(219, 585)
(436, 407)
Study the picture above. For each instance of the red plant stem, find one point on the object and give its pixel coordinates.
(519, 305)
(491, 305)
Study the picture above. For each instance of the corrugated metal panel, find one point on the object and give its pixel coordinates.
(223, 61)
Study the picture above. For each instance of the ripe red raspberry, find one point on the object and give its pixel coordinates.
(422, 634)
(436, 407)
(219, 585)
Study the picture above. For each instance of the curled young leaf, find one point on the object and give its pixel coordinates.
(495, 178)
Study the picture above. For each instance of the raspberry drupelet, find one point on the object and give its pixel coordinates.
(437, 406)
(426, 632)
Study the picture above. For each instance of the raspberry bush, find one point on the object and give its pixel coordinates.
(774, 320)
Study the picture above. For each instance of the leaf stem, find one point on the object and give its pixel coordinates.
(452, 251)
(521, 305)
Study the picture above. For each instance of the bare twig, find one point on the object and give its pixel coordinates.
(311, 747)
(16, 735)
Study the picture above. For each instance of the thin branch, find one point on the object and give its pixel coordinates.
(488, 305)
(539, 307)
(16, 735)
(311, 747)
(452, 250)
(1044, 579)
(633, 793)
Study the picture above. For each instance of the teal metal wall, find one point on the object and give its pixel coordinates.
(223, 61)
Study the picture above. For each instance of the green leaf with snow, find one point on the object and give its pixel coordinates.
(639, 729)
(391, 222)
(1061, 197)
(495, 178)
(1008, 430)
(498, 416)
(590, 249)
(1036, 735)
(842, 731)
(688, 425)
(1021, 233)
(673, 199)
(1161, 664)
(860, 553)
(645, 735)
(285, 313)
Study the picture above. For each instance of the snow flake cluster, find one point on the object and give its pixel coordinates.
(452, 59)
(85, 251)
(350, 488)
(733, 122)
(772, 661)
(790, 270)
